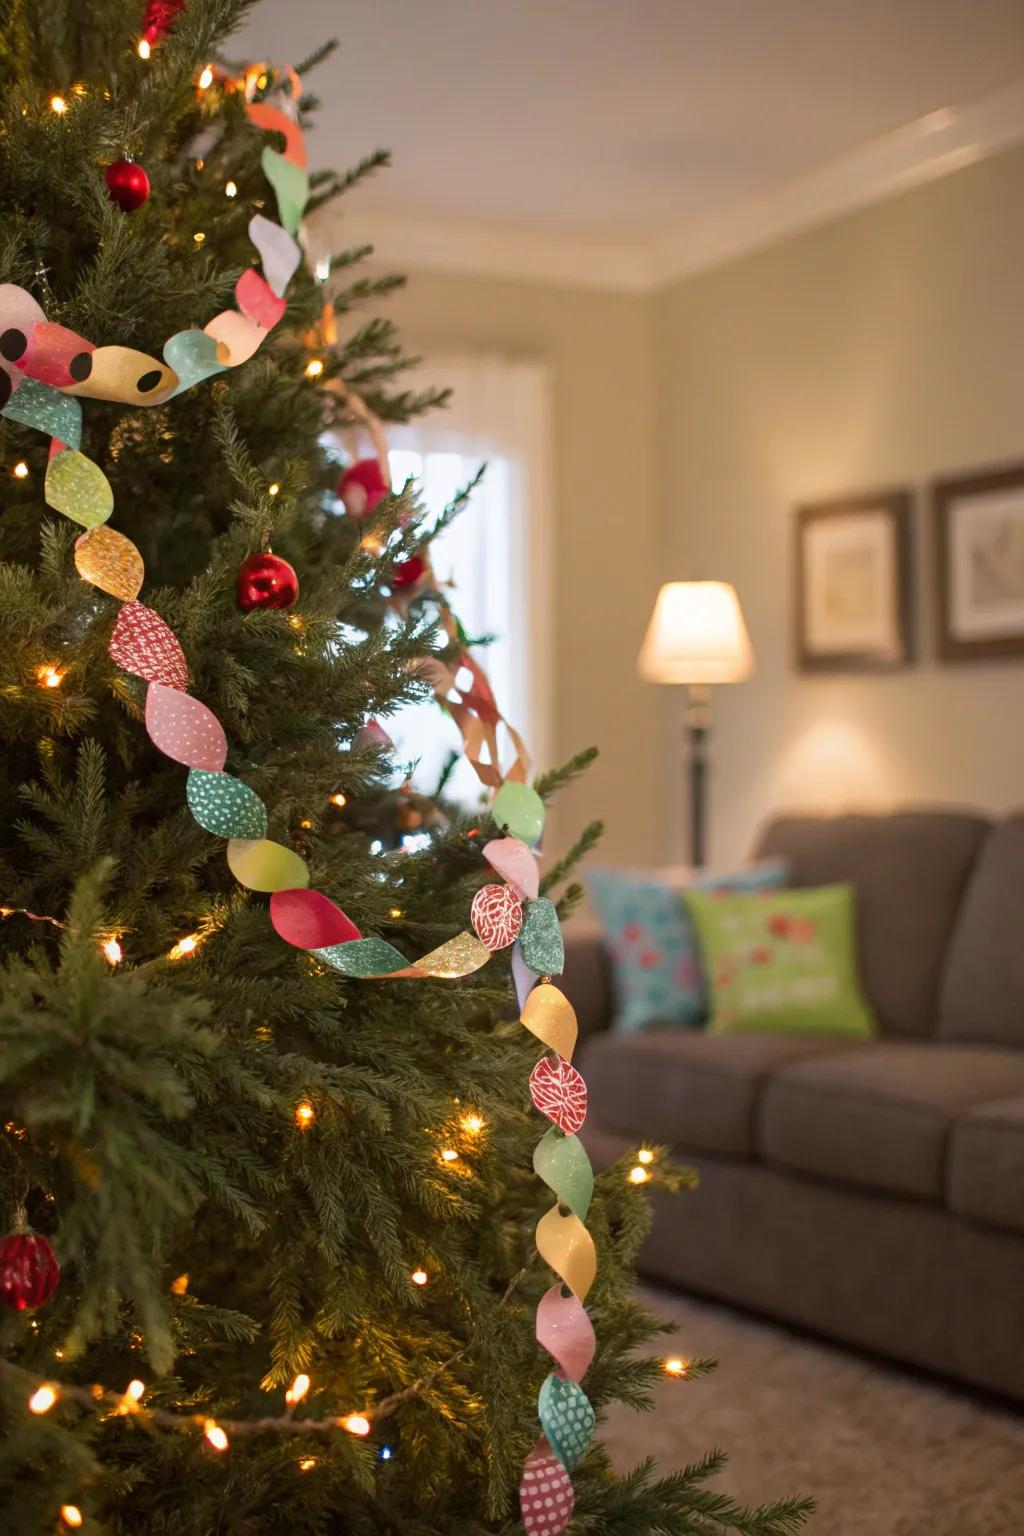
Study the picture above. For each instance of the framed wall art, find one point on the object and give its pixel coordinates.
(979, 558)
(853, 583)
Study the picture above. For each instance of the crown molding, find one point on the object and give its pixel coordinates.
(476, 249)
(921, 151)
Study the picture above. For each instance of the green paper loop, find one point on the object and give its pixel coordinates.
(566, 1417)
(78, 488)
(363, 958)
(520, 809)
(565, 1168)
(224, 805)
(48, 410)
(291, 187)
(193, 357)
(541, 939)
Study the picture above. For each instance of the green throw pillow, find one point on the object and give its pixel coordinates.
(781, 960)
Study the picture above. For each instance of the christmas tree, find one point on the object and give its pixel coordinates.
(269, 1113)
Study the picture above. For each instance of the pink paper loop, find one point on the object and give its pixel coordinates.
(566, 1332)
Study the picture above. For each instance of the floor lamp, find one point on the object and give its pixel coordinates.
(697, 637)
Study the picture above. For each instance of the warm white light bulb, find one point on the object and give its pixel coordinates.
(645, 1155)
(43, 1399)
(638, 1175)
(20, 470)
(357, 1424)
(71, 1515)
(215, 1435)
(419, 1277)
(112, 951)
(298, 1389)
(206, 78)
(144, 49)
(230, 189)
(58, 105)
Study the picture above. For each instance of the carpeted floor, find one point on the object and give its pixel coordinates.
(883, 1453)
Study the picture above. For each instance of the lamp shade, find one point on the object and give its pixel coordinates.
(696, 635)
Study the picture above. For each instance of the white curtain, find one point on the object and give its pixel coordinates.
(497, 553)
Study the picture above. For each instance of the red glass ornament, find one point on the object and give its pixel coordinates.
(266, 581)
(362, 488)
(127, 184)
(409, 572)
(159, 17)
(28, 1269)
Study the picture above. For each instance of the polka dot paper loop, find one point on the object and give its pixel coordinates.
(566, 1418)
(497, 916)
(546, 1497)
(184, 729)
(224, 805)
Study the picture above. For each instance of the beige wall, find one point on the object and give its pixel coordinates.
(876, 351)
(602, 542)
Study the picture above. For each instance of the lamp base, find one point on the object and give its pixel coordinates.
(698, 731)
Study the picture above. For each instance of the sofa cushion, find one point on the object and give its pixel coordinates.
(909, 871)
(686, 1088)
(986, 1164)
(880, 1115)
(983, 990)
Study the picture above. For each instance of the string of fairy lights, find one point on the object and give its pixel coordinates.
(453, 1152)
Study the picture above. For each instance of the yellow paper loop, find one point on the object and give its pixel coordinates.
(460, 956)
(566, 1246)
(263, 865)
(551, 1017)
(108, 560)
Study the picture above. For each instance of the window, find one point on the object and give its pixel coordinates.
(495, 554)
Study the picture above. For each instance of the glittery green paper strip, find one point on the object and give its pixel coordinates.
(565, 1168)
(363, 958)
(48, 410)
(78, 488)
(541, 939)
(566, 1418)
(193, 356)
(224, 805)
(520, 810)
(291, 187)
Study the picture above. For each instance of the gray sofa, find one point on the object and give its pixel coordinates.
(870, 1190)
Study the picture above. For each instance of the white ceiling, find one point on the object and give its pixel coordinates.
(604, 120)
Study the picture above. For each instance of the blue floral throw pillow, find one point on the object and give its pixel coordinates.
(653, 944)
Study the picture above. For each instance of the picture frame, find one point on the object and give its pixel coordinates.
(979, 564)
(853, 607)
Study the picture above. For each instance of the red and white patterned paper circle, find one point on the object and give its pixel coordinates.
(147, 647)
(559, 1092)
(497, 916)
(545, 1493)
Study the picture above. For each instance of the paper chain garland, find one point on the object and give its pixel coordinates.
(44, 369)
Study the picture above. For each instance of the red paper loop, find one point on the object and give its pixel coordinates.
(309, 920)
(147, 647)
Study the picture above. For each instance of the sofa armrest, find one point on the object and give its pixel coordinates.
(587, 981)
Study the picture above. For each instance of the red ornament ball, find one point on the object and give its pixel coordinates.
(409, 572)
(159, 17)
(266, 581)
(362, 488)
(28, 1270)
(127, 184)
